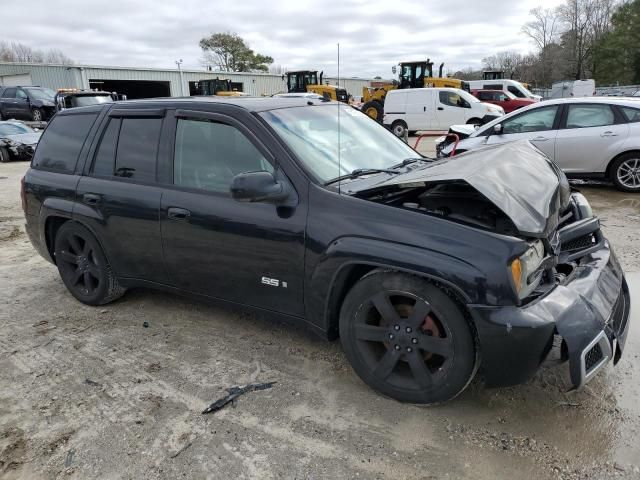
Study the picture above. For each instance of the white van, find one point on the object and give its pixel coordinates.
(415, 109)
(506, 85)
(573, 88)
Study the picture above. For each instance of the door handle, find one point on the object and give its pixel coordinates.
(439, 108)
(179, 214)
(424, 109)
(609, 134)
(539, 139)
(91, 198)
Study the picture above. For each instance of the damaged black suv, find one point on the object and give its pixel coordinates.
(428, 271)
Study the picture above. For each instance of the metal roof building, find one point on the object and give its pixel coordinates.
(147, 82)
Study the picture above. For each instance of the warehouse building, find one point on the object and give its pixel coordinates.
(148, 82)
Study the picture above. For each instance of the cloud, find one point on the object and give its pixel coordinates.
(373, 36)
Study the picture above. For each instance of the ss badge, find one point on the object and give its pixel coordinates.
(273, 282)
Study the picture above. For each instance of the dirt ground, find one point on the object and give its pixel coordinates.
(91, 393)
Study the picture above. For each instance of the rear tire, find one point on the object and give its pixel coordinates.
(4, 155)
(373, 109)
(406, 338)
(399, 127)
(625, 172)
(83, 266)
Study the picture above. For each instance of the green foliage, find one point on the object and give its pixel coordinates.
(618, 54)
(229, 52)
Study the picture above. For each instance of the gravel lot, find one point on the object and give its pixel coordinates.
(91, 393)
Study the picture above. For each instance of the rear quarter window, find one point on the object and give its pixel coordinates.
(632, 114)
(62, 141)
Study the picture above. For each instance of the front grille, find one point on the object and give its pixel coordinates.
(592, 357)
(580, 243)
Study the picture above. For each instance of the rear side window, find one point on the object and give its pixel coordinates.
(585, 116)
(632, 114)
(105, 159)
(138, 148)
(62, 141)
(9, 93)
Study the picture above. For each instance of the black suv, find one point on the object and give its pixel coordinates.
(27, 103)
(426, 270)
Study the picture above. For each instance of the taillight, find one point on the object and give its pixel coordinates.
(23, 196)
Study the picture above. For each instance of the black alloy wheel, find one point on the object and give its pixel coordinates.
(407, 339)
(83, 266)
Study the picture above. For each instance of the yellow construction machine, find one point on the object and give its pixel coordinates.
(217, 86)
(411, 75)
(302, 81)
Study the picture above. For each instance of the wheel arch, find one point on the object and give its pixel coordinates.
(613, 160)
(351, 272)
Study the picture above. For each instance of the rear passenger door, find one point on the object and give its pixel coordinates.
(248, 253)
(590, 135)
(119, 198)
(8, 102)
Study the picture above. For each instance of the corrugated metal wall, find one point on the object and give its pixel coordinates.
(77, 76)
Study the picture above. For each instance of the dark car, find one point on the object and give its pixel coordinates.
(428, 271)
(27, 103)
(17, 141)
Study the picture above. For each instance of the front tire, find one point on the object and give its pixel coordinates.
(83, 266)
(625, 172)
(36, 115)
(406, 338)
(373, 109)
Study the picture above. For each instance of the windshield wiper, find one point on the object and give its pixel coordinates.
(409, 161)
(358, 172)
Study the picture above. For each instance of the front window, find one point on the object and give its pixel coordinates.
(537, 120)
(41, 93)
(7, 129)
(335, 140)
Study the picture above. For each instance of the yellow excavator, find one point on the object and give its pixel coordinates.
(411, 75)
(302, 81)
(217, 86)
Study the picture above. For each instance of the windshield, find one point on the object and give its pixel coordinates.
(41, 93)
(312, 133)
(7, 129)
(86, 100)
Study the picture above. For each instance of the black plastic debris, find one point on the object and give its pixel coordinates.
(90, 382)
(145, 324)
(235, 392)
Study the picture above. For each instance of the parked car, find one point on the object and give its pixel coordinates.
(17, 141)
(573, 88)
(507, 100)
(426, 270)
(27, 103)
(506, 85)
(594, 137)
(417, 109)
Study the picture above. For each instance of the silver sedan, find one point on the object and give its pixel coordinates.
(592, 137)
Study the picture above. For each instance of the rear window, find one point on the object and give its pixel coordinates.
(60, 145)
(632, 114)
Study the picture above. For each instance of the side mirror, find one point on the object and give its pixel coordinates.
(497, 129)
(259, 186)
(507, 99)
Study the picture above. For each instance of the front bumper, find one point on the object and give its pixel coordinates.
(589, 310)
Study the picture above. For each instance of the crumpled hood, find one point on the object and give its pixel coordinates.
(24, 138)
(516, 177)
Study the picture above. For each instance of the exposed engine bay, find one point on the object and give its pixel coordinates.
(456, 201)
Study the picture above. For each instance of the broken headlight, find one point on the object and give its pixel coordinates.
(525, 269)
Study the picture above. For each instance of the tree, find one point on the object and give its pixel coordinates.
(230, 53)
(543, 30)
(19, 52)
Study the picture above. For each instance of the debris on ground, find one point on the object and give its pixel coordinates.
(92, 383)
(235, 392)
(145, 324)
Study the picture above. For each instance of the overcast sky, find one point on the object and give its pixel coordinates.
(373, 35)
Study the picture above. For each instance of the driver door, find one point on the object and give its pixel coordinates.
(449, 110)
(247, 253)
(539, 126)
